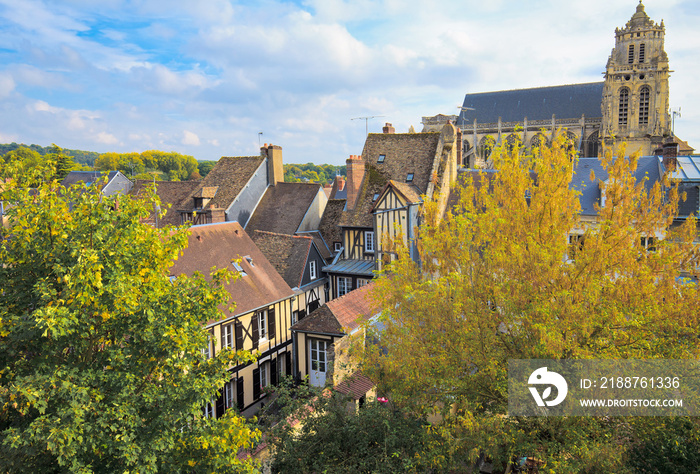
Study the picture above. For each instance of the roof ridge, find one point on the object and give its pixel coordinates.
(283, 235)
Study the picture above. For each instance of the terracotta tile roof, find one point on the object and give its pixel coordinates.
(229, 175)
(216, 245)
(174, 193)
(404, 154)
(283, 207)
(329, 228)
(351, 308)
(321, 321)
(287, 253)
(341, 315)
(355, 385)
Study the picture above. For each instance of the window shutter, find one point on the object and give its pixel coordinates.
(239, 394)
(271, 323)
(256, 384)
(239, 335)
(256, 333)
(273, 372)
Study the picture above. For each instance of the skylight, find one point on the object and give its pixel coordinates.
(381, 159)
(409, 177)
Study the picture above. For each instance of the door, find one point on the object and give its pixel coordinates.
(318, 365)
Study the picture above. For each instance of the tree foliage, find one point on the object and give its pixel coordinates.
(321, 174)
(324, 432)
(30, 167)
(175, 166)
(499, 281)
(101, 367)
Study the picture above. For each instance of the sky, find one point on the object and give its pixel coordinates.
(221, 78)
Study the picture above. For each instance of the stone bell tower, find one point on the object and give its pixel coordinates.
(635, 101)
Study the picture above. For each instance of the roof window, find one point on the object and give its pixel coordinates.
(237, 265)
(409, 177)
(381, 158)
(376, 196)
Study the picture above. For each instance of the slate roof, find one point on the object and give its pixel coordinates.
(352, 267)
(87, 177)
(539, 103)
(404, 153)
(174, 193)
(216, 245)
(329, 228)
(287, 253)
(229, 176)
(338, 193)
(283, 207)
(647, 166)
(341, 314)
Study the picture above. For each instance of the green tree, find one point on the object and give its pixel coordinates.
(495, 285)
(205, 167)
(101, 363)
(332, 436)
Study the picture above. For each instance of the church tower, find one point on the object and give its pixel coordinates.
(635, 95)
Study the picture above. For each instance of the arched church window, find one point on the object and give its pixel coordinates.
(624, 106)
(511, 141)
(592, 145)
(486, 146)
(644, 105)
(538, 141)
(630, 56)
(641, 52)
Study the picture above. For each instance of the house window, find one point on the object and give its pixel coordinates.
(312, 270)
(227, 336)
(644, 105)
(409, 177)
(344, 285)
(228, 394)
(238, 267)
(381, 158)
(209, 410)
(207, 351)
(369, 241)
(262, 324)
(337, 246)
(264, 380)
(630, 56)
(362, 282)
(624, 106)
(576, 243)
(295, 317)
(649, 243)
(641, 52)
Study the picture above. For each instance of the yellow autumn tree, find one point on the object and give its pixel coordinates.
(501, 280)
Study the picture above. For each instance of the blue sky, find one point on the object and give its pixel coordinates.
(204, 78)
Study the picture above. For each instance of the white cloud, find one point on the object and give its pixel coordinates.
(7, 85)
(106, 138)
(190, 138)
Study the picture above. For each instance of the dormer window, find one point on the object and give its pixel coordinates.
(409, 177)
(238, 267)
(381, 158)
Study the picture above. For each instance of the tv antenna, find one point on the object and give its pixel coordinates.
(366, 119)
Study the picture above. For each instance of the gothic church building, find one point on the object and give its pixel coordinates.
(631, 104)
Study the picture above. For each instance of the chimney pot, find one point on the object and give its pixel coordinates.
(388, 128)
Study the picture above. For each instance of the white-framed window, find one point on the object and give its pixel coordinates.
(262, 324)
(229, 393)
(295, 317)
(648, 243)
(264, 379)
(209, 410)
(313, 273)
(369, 241)
(337, 246)
(227, 336)
(208, 350)
(344, 285)
(362, 282)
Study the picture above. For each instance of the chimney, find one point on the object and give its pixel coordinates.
(388, 128)
(275, 169)
(217, 214)
(355, 172)
(670, 158)
(341, 182)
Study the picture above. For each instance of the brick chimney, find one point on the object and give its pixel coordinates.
(388, 128)
(275, 169)
(341, 182)
(355, 173)
(670, 158)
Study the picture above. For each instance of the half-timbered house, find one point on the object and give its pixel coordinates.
(385, 188)
(260, 320)
(322, 339)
